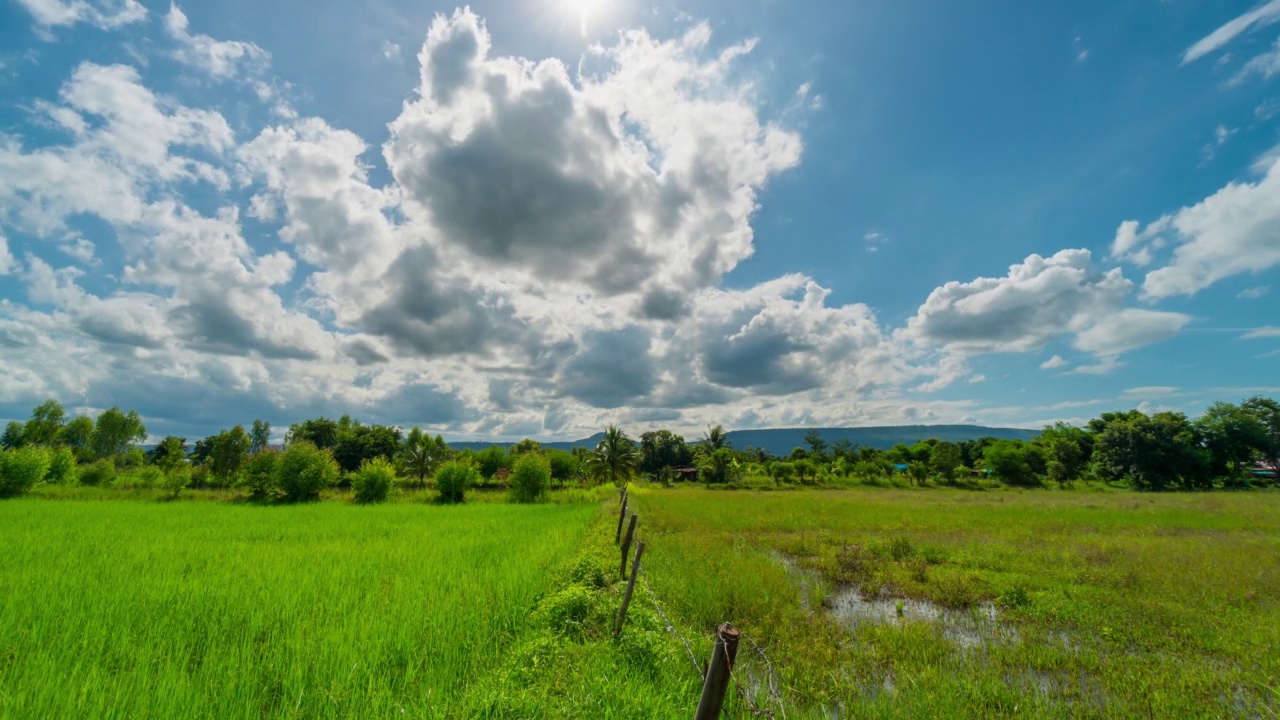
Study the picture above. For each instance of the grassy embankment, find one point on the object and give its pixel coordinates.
(1105, 604)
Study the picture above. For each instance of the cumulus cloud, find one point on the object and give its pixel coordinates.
(1054, 363)
(1129, 329)
(1040, 299)
(7, 262)
(1232, 232)
(221, 59)
(104, 14)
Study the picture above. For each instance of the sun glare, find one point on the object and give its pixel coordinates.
(586, 9)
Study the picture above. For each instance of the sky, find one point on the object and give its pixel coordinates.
(538, 218)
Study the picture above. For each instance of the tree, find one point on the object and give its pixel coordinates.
(171, 451)
(259, 436)
(525, 446)
(1233, 436)
(420, 454)
(12, 438)
(615, 457)
(454, 478)
(715, 438)
(816, 444)
(78, 435)
(230, 448)
(945, 458)
(304, 470)
(22, 468)
(1007, 460)
(492, 459)
(1154, 453)
(662, 449)
(358, 443)
(259, 474)
(530, 478)
(564, 466)
(115, 431)
(1267, 412)
(320, 432)
(46, 420)
(780, 471)
(717, 467)
(372, 482)
(804, 469)
(1066, 461)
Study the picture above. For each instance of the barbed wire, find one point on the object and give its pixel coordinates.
(742, 691)
(671, 628)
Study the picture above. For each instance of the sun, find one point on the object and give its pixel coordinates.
(586, 10)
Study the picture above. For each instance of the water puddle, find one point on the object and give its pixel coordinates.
(971, 629)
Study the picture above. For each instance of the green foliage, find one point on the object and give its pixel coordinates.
(564, 466)
(372, 482)
(200, 475)
(492, 459)
(22, 469)
(304, 470)
(1232, 435)
(115, 431)
(1008, 461)
(1160, 452)
(1267, 412)
(259, 474)
(12, 439)
(78, 435)
(805, 470)
(420, 454)
(175, 479)
(567, 611)
(320, 432)
(259, 436)
(781, 471)
(99, 474)
(46, 420)
(945, 459)
(150, 476)
(714, 439)
(530, 478)
(453, 479)
(615, 457)
(817, 446)
(662, 449)
(717, 467)
(228, 453)
(525, 446)
(171, 451)
(133, 457)
(358, 443)
(62, 467)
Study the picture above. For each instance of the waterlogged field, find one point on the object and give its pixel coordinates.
(953, 604)
(216, 610)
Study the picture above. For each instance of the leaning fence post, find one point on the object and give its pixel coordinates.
(621, 516)
(626, 545)
(717, 680)
(631, 586)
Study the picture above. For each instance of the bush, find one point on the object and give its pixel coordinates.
(259, 474)
(200, 475)
(102, 472)
(453, 479)
(62, 467)
(530, 478)
(177, 478)
(21, 469)
(133, 457)
(150, 476)
(372, 482)
(304, 470)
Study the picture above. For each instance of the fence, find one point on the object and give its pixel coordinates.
(719, 672)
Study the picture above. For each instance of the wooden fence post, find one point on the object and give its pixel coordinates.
(716, 683)
(631, 586)
(626, 545)
(621, 516)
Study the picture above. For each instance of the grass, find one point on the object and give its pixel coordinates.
(217, 610)
(1112, 604)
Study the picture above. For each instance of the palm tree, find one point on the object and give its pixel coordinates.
(421, 453)
(714, 439)
(616, 456)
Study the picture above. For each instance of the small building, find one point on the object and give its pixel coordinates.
(685, 473)
(1264, 470)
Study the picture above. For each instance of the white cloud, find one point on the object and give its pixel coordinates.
(220, 58)
(1258, 17)
(390, 50)
(78, 247)
(7, 263)
(1254, 293)
(105, 14)
(1040, 299)
(1262, 332)
(1104, 366)
(1053, 363)
(1234, 231)
(1124, 330)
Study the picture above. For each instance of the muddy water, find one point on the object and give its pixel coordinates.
(971, 629)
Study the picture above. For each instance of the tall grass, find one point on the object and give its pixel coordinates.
(210, 610)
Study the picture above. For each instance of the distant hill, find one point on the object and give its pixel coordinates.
(783, 441)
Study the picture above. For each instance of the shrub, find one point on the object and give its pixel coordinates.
(259, 474)
(530, 478)
(62, 467)
(372, 482)
(453, 479)
(133, 457)
(102, 472)
(22, 468)
(150, 476)
(200, 475)
(175, 479)
(304, 470)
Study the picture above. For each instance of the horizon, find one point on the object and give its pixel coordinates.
(524, 220)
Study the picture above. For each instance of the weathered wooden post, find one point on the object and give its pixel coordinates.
(631, 586)
(626, 546)
(716, 683)
(621, 516)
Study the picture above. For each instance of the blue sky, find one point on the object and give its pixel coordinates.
(538, 218)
